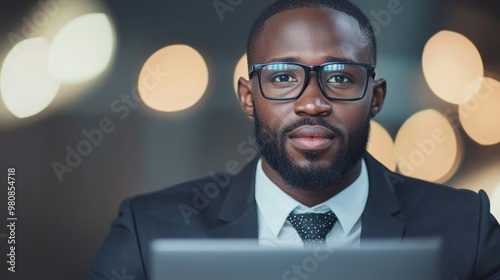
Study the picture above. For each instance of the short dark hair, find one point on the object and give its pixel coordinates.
(283, 5)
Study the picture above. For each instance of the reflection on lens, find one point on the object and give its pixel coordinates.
(334, 67)
(344, 81)
(282, 80)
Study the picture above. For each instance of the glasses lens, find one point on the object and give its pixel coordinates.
(282, 80)
(344, 81)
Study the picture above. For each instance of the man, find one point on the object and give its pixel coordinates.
(312, 91)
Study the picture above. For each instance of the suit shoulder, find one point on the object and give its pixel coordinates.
(213, 187)
(175, 192)
(413, 188)
(416, 186)
(422, 195)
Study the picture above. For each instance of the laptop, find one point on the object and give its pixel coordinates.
(219, 259)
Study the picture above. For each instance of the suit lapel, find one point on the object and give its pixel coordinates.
(239, 210)
(382, 217)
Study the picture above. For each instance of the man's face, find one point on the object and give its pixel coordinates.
(314, 175)
(311, 142)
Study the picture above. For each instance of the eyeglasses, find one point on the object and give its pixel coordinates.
(345, 81)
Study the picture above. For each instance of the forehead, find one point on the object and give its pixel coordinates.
(311, 35)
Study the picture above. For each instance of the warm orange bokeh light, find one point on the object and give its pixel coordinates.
(381, 146)
(428, 147)
(450, 63)
(495, 202)
(480, 112)
(173, 78)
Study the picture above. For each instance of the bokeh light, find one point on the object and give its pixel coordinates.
(381, 146)
(82, 49)
(480, 172)
(427, 147)
(479, 113)
(25, 83)
(173, 78)
(241, 70)
(495, 202)
(450, 63)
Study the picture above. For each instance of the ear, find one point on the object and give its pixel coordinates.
(378, 97)
(245, 96)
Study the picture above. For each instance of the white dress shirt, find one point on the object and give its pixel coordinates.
(274, 205)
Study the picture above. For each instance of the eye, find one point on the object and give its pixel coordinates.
(339, 79)
(283, 78)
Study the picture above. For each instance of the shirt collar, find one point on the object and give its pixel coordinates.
(348, 205)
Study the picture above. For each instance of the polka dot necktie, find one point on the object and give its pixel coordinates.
(313, 227)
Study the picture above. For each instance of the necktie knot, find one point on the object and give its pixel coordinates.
(312, 227)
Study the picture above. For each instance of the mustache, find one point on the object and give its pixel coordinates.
(313, 121)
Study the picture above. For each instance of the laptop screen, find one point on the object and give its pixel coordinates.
(181, 259)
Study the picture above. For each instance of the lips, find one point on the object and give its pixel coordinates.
(311, 138)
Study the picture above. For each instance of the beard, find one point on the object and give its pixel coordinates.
(313, 176)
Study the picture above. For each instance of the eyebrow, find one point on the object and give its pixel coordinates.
(325, 59)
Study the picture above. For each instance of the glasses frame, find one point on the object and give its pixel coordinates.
(370, 69)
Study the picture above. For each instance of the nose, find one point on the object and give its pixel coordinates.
(313, 102)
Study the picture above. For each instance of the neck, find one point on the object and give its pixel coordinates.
(312, 198)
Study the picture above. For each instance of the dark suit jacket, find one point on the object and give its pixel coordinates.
(223, 206)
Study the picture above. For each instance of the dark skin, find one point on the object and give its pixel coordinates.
(312, 36)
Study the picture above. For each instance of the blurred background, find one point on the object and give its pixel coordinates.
(101, 100)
